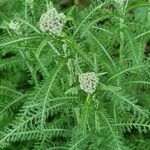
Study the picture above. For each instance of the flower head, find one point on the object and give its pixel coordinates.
(14, 25)
(52, 21)
(88, 82)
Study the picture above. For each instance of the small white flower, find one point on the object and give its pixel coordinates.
(52, 21)
(88, 81)
(14, 25)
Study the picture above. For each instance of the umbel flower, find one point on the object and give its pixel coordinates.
(14, 25)
(52, 21)
(88, 82)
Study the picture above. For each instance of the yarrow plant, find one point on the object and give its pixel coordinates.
(76, 85)
(52, 21)
(88, 82)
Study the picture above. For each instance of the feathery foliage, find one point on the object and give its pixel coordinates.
(42, 105)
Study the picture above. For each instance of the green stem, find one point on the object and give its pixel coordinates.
(47, 4)
(148, 16)
(121, 9)
(26, 10)
(86, 111)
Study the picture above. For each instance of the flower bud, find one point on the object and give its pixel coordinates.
(14, 25)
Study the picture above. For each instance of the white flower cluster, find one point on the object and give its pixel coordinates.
(14, 25)
(52, 21)
(88, 82)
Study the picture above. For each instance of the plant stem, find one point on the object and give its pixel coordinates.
(121, 9)
(86, 111)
